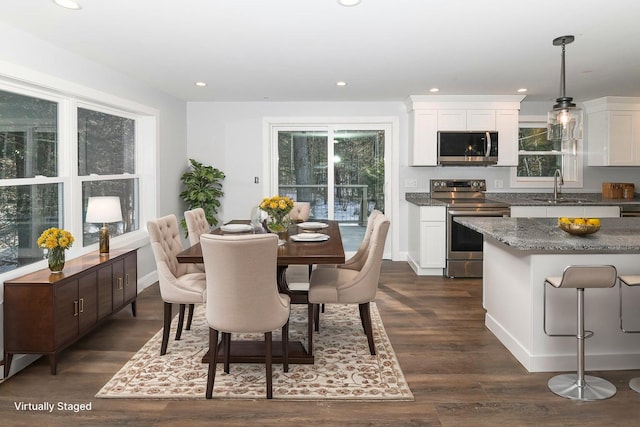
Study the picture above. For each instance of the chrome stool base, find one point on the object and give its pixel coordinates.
(634, 384)
(595, 388)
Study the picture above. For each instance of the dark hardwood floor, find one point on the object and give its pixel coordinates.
(459, 373)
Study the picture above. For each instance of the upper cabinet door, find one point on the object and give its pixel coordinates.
(423, 140)
(508, 129)
(613, 131)
(482, 120)
(452, 119)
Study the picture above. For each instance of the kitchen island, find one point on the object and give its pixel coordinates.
(520, 252)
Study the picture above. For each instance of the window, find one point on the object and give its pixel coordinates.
(40, 184)
(106, 164)
(539, 158)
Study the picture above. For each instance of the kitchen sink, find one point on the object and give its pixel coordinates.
(562, 201)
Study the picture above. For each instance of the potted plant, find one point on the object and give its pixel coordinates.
(203, 188)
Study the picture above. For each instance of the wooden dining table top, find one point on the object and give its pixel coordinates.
(330, 251)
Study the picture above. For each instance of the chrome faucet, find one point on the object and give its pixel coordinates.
(556, 184)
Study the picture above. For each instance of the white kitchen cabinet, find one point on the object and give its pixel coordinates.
(452, 120)
(570, 211)
(613, 131)
(423, 138)
(528, 211)
(463, 120)
(508, 131)
(429, 114)
(427, 239)
(481, 120)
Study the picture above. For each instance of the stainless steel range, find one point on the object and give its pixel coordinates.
(464, 246)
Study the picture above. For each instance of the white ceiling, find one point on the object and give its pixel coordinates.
(296, 50)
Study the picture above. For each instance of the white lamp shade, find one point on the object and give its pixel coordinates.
(104, 209)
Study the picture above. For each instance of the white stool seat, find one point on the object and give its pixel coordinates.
(580, 277)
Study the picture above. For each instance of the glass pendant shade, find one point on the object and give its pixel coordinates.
(564, 124)
(564, 121)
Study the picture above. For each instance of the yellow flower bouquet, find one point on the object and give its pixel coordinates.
(56, 241)
(277, 207)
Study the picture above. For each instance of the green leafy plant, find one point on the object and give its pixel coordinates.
(203, 189)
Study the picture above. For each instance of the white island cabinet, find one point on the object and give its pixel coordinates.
(519, 253)
(427, 239)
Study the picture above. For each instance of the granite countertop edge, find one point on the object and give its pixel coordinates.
(616, 235)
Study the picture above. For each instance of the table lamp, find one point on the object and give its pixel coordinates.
(104, 209)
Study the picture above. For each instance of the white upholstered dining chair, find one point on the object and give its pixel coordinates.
(300, 211)
(197, 224)
(346, 286)
(181, 284)
(242, 296)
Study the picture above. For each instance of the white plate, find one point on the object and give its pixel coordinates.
(313, 225)
(309, 237)
(236, 228)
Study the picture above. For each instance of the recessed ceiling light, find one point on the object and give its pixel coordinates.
(201, 84)
(341, 83)
(349, 3)
(434, 89)
(522, 89)
(68, 4)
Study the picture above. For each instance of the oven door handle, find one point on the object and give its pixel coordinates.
(496, 213)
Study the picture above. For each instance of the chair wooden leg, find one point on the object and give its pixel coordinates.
(316, 317)
(267, 362)
(226, 341)
(213, 353)
(190, 318)
(180, 322)
(368, 329)
(310, 322)
(166, 328)
(285, 347)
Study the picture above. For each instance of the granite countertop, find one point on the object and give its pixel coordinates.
(534, 199)
(616, 235)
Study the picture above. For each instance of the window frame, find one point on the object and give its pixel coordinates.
(70, 97)
(571, 163)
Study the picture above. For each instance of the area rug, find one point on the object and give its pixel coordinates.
(343, 368)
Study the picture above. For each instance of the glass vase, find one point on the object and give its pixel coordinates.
(279, 226)
(55, 258)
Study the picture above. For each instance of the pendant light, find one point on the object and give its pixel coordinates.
(565, 120)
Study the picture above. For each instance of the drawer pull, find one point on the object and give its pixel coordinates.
(75, 308)
(81, 305)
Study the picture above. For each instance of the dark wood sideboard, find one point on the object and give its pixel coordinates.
(44, 313)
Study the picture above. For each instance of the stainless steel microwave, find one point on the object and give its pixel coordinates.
(467, 148)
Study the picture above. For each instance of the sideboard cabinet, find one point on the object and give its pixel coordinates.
(45, 312)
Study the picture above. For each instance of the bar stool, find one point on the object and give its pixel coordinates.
(634, 383)
(578, 386)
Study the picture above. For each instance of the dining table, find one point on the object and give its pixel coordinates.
(305, 243)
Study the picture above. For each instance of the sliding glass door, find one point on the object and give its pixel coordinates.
(339, 169)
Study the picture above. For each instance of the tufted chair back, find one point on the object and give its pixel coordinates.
(300, 211)
(197, 224)
(242, 292)
(166, 243)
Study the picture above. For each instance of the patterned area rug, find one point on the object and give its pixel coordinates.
(343, 367)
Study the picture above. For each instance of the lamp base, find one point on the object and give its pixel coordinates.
(104, 240)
